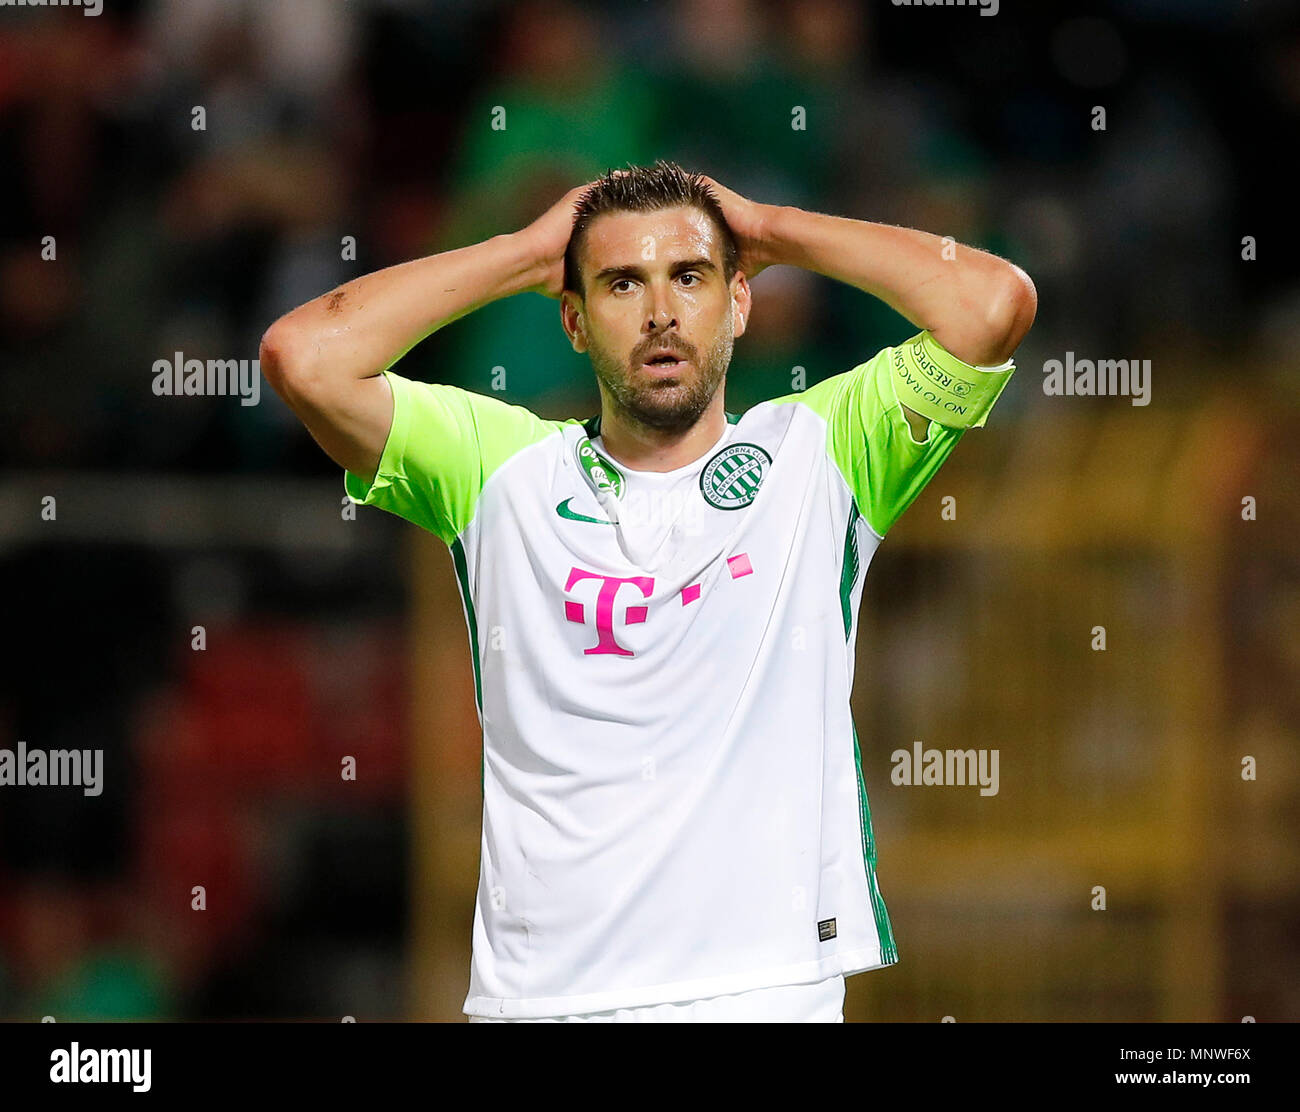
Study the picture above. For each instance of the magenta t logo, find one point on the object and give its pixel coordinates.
(576, 612)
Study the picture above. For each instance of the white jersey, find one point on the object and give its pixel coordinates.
(821, 1002)
(673, 798)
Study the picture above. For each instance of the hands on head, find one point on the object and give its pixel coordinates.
(548, 236)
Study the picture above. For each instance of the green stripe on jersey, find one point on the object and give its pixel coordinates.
(462, 578)
(848, 577)
(888, 950)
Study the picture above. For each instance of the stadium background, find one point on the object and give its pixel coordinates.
(328, 637)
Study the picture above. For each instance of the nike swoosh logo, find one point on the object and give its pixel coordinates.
(563, 510)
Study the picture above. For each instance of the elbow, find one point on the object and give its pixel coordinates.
(280, 356)
(1010, 315)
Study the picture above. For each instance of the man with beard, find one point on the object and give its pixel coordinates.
(675, 823)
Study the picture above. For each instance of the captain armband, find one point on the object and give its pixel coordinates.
(936, 384)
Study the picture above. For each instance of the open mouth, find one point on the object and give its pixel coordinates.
(665, 362)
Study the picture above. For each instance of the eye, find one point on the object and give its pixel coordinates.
(614, 285)
(691, 274)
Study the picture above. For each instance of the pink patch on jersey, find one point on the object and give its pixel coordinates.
(691, 593)
(635, 614)
(573, 611)
(739, 565)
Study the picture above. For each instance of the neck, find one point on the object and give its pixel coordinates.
(643, 448)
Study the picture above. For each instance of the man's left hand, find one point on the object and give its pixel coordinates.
(749, 223)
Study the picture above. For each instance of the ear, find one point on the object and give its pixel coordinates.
(572, 317)
(741, 304)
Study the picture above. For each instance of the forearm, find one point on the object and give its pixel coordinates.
(363, 326)
(976, 305)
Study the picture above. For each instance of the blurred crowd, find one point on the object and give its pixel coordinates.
(338, 138)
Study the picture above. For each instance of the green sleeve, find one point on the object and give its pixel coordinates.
(868, 437)
(443, 445)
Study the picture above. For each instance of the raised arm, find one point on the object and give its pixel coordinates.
(326, 358)
(976, 305)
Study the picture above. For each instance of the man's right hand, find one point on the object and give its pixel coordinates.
(548, 237)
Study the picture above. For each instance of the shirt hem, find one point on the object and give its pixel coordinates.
(808, 972)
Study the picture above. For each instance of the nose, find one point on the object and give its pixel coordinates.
(662, 314)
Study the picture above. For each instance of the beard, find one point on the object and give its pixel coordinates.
(669, 404)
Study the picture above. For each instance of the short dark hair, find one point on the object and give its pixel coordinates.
(646, 189)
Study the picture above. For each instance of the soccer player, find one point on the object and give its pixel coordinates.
(675, 824)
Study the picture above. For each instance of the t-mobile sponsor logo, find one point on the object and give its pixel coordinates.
(605, 617)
